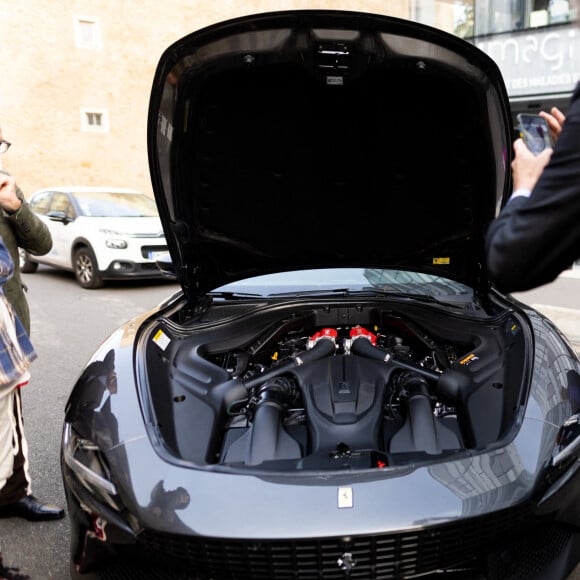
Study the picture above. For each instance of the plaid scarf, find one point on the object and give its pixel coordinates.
(16, 350)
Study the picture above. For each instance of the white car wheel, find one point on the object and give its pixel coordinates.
(86, 269)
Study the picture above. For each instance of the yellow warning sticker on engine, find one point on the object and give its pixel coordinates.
(161, 339)
(442, 261)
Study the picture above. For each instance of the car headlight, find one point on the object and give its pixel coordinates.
(85, 459)
(568, 442)
(116, 244)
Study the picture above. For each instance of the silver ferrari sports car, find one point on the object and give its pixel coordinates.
(337, 391)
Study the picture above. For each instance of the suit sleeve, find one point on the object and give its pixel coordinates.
(534, 239)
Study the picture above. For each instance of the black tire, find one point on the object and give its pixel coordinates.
(86, 269)
(27, 266)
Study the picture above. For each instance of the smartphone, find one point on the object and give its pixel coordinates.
(535, 132)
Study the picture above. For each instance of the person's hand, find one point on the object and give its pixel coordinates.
(527, 167)
(555, 119)
(9, 201)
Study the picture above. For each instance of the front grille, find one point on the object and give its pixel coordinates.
(377, 557)
(529, 555)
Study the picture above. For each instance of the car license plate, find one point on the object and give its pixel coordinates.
(156, 255)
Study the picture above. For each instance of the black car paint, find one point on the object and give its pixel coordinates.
(417, 494)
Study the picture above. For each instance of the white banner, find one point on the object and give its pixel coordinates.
(533, 63)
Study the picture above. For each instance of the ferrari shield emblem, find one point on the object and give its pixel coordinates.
(344, 497)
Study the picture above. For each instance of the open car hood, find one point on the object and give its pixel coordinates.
(314, 139)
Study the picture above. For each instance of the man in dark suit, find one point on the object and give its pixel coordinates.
(537, 234)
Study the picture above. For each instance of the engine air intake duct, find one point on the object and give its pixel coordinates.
(453, 386)
(364, 347)
(324, 347)
(267, 439)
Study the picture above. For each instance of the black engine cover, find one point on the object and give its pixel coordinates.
(343, 398)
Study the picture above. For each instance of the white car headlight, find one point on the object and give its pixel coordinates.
(116, 244)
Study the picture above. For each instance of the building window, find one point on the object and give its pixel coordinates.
(463, 21)
(95, 120)
(87, 33)
(496, 16)
(545, 12)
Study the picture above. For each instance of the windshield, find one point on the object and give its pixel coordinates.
(351, 280)
(116, 204)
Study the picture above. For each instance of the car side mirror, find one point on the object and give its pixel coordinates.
(59, 216)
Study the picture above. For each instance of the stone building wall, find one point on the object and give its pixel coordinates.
(47, 83)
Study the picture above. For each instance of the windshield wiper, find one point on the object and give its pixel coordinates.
(408, 295)
(364, 292)
(234, 295)
(325, 292)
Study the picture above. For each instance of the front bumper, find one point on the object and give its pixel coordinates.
(122, 269)
(513, 543)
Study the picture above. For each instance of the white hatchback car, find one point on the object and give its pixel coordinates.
(99, 233)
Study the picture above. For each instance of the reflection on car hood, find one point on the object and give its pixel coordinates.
(315, 139)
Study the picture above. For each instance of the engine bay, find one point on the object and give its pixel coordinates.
(298, 391)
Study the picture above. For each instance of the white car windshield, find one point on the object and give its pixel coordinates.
(116, 204)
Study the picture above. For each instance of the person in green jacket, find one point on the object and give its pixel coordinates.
(21, 228)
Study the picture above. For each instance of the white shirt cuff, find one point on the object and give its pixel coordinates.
(520, 193)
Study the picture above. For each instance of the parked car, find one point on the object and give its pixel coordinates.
(99, 233)
(337, 391)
